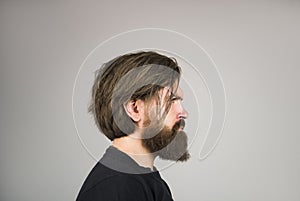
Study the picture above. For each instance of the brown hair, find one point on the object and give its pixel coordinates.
(132, 76)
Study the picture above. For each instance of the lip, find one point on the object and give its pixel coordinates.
(182, 124)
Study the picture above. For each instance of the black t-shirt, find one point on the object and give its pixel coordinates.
(117, 177)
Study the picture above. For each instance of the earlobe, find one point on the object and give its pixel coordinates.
(133, 110)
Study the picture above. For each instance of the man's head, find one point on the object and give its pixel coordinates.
(138, 93)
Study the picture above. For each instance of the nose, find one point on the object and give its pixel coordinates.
(183, 114)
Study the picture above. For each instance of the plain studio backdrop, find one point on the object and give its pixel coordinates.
(254, 44)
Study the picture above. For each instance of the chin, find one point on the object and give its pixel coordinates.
(169, 144)
(176, 150)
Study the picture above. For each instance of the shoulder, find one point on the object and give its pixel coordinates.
(116, 187)
(106, 184)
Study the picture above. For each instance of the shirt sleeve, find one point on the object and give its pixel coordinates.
(117, 188)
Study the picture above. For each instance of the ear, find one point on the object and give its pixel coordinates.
(135, 110)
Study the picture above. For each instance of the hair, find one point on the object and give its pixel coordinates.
(127, 78)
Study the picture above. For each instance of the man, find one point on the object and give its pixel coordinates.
(137, 104)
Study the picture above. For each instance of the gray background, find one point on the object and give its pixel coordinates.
(255, 45)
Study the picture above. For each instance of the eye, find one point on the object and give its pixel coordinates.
(173, 99)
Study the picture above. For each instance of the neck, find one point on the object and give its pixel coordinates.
(134, 148)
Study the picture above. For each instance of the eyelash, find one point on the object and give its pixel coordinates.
(174, 99)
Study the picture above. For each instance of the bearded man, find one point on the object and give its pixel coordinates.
(137, 104)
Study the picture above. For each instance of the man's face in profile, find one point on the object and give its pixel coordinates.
(170, 143)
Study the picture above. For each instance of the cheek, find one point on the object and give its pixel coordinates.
(171, 117)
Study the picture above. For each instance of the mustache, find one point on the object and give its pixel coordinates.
(178, 124)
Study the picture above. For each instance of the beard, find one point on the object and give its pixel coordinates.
(168, 144)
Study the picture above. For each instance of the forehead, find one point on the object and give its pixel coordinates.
(175, 90)
(179, 92)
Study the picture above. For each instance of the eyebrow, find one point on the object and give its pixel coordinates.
(176, 96)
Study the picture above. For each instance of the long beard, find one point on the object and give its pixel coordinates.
(168, 144)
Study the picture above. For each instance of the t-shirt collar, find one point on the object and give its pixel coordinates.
(119, 161)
